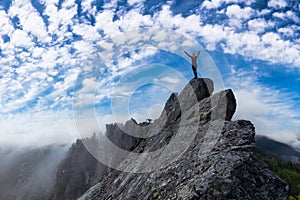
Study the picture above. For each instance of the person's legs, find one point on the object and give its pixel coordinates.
(195, 71)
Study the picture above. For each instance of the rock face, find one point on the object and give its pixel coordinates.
(117, 134)
(203, 154)
(77, 172)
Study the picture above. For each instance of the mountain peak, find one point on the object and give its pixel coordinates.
(193, 151)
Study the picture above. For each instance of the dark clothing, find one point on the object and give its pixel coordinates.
(195, 71)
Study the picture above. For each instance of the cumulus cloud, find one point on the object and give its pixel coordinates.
(259, 25)
(6, 26)
(287, 15)
(214, 4)
(211, 4)
(236, 11)
(277, 3)
(30, 20)
(20, 38)
(36, 57)
(237, 15)
(133, 2)
(269, 46)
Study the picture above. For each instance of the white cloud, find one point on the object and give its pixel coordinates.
(86, 6)
(237, 14)
(60, 19)
(293, 16)
(37, 129)
(289, 15)
(212, 34)
(132, 2)
(277, 3)
(49, 57)
(279, 15)
(68, 82)
(270, 110)
(270, 47)
(22, 89)
(6, 26)
(171, 80)
(37, 67)
(20, 38)
(30, 21)
(105, 23)
(133, 20)
(263, 12)
(259, 25)
(38, 52)
(214, 4)
(211, 4)
(88, 32)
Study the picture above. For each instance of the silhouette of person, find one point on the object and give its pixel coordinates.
(194, 62)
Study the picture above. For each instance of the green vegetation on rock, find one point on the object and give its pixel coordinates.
(288, 171)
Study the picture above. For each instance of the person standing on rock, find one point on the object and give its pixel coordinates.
(194, 62)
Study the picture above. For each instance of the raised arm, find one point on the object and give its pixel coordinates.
(187, 54)
(198, 53)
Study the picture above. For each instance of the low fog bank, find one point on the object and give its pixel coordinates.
(29, 173)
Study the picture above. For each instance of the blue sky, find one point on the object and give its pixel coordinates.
(46, 44)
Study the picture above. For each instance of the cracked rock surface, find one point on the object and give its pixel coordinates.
(194, 151)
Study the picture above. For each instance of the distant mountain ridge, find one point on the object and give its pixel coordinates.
(272, 148)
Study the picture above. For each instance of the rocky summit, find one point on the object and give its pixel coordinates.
(192, 151)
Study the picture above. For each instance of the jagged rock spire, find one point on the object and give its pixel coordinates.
(218, 163)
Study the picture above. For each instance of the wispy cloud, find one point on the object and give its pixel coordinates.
(270, 110)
